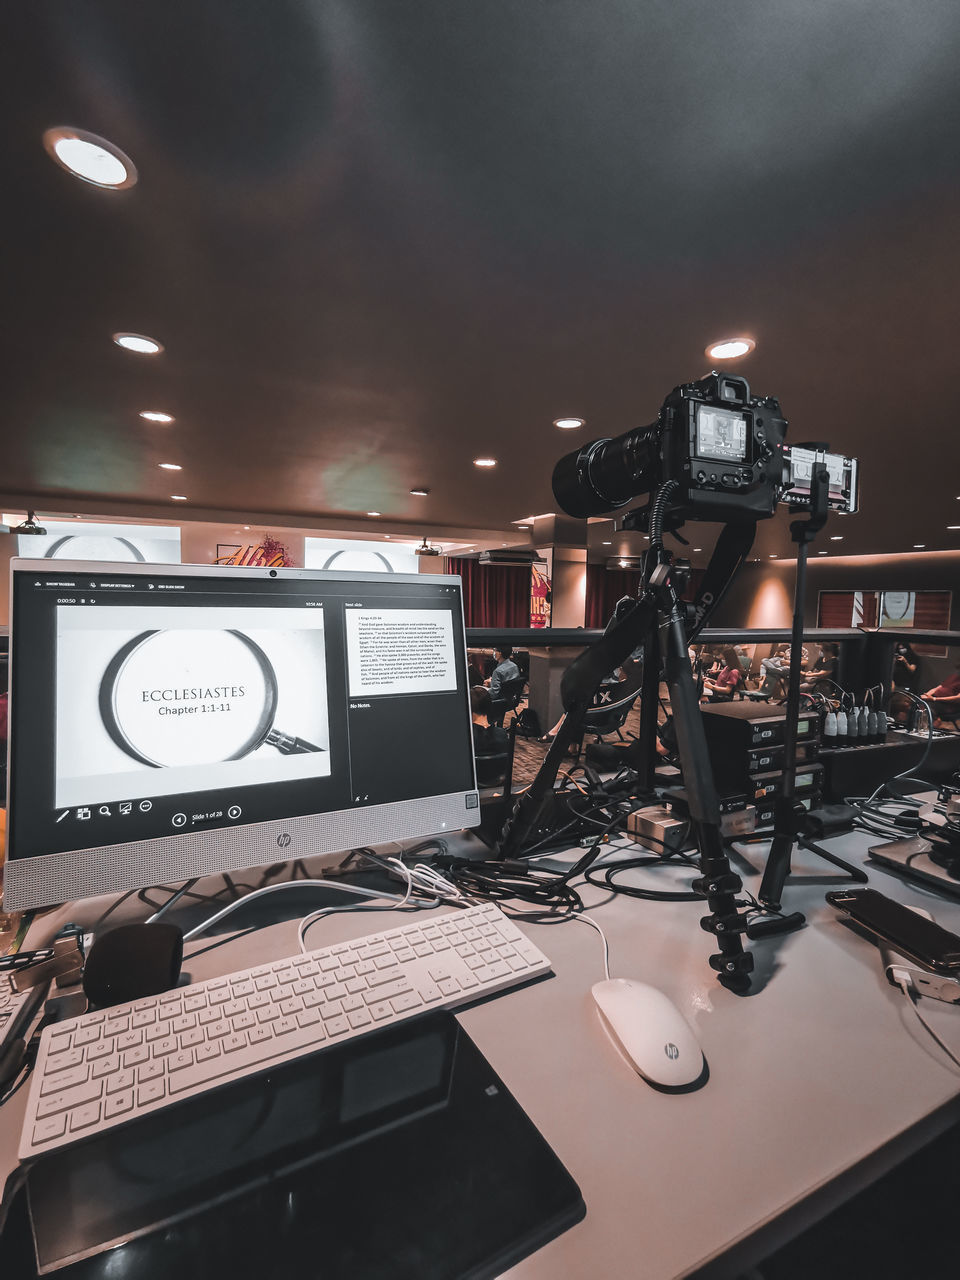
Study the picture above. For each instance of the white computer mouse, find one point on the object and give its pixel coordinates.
(652, 1032)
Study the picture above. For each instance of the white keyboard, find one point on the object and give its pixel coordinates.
(15, 1009)
(107, 1068)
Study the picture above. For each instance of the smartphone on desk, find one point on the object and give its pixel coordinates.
(922, 940)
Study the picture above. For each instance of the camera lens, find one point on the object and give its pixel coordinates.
(273, 573)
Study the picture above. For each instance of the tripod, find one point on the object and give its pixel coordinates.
(658, 621)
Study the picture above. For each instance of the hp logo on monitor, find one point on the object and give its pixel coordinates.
(671, 1051)
(283, 839)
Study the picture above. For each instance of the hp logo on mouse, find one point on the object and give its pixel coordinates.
(283, 839)
(671, 1051)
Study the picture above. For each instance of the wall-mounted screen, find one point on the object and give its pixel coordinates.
(351, 555)
(116, 543)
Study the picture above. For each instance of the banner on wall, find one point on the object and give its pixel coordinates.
(541, 591)
(897, 608)
(119, 543)
(351, 555)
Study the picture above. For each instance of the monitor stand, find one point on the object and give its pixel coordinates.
(400, 1155)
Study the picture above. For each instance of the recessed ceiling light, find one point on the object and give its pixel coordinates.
(151, 415)
(953, 526)
(568, 424)
(419, 493)
(919, 546)
(523, 526)
(730, 348)
(698, 548)
(773, 555)
(373, 513)
(823, 553)
(836, 537)
(90, 158)
(484, 462)
(178, 497)
(170, 466)
(608, 544)
(246, 526)
(139, 343)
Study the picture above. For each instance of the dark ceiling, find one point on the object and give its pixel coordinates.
(379, 238)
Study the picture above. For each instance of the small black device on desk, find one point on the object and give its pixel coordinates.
(399, 1155)
(912, 935)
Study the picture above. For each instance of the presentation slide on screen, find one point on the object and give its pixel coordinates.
(391, 651)
(352, 555)
(158, 701)
(120, 543)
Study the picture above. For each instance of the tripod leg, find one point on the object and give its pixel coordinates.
(718, 881)
(855, 873)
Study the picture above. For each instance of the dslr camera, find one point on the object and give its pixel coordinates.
(725, 449)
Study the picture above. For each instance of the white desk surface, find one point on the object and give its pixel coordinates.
(819, 1081)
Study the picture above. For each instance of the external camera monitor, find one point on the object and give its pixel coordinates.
(169, 722)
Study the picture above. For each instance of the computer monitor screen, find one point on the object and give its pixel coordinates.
(171, 722)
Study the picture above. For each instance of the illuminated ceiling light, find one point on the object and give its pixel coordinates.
(568, 424)
(698, 548)
(608, 544)
(90, 158)
(484, 462)
(178, 497)
(523, 526)
(151, 415)
(387, 536)
(139, 343)
(419, 493)
(836, 537)
(953, 526)
(773, 555)
(623, 564)
(169, 466)
(823, 553)
(730, 348)
(373, 513)
(919, 546)
(246, 526)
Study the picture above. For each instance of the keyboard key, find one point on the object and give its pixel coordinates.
(149, 1071)
(244, 1021)
(180, 1060)
(169, 1044)
(116, 1026)
(449, 986)
(118, 1104)
(234, 1042)
(359, 1018)
(105, 1067)
(152, 1092)
(380, 1009)
(52, 1127)
(69, 1058)
(102, 1049)
(356, 984)
(351, 1003)
(64, 1080)
(129, 1040)
(120, 1080)
(307, 1017)
(67, 1099)
(207, 1051)
(336, 1026)
(135, 1056)
(158, 1031)
(86, 1035)
(143, 1018)
(268, 1014)
(85, 1116)
(408, 1001)
(195, 1036)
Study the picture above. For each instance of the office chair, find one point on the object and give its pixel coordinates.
(606, 720)
(495, 780)
(512, 696)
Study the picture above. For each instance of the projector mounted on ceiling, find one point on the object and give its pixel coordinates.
(511, 556)
(425, 549)
(30, 526)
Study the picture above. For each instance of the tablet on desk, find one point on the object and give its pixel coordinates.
(400, 1154)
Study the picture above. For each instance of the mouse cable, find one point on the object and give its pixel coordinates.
(905, 984)
(585, 919)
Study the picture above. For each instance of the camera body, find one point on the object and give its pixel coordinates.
(723, 447)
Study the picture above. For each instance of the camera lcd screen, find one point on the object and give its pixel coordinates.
(721, 434)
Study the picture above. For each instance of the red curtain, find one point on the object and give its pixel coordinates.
(606, 586)
(494, 595)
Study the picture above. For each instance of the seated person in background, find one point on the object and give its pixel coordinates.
(906, 665)
(506, 669)
(774, 671)
(487, 739)
(825, 667)
(727, 680)
(945, 698)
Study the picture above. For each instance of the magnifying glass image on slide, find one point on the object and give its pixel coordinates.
(193, 697)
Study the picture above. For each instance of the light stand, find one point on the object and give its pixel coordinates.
(787, 812)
